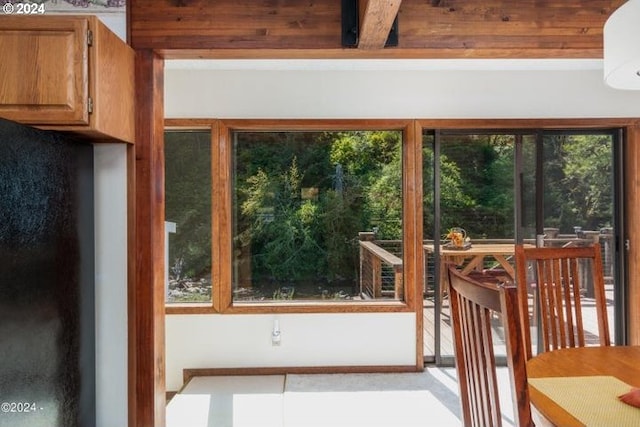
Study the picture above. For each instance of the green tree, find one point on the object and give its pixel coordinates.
(302, 206)
(384, 200)
(453, 197)
(484, 165)
(372, 161)
(284, 228)
(584, 195)
(188, 202)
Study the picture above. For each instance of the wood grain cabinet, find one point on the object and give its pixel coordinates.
(68, 73)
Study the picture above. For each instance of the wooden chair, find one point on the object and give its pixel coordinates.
(472, 305)
(558, 277)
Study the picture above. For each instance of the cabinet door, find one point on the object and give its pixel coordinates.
(44, 70)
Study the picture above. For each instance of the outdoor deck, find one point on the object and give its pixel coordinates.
(446, 340)
(381, 275)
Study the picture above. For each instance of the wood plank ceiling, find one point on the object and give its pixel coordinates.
(426, 28)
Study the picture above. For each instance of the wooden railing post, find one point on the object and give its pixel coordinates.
(398, 282)
(376, 276)
(365, 256)
(372, 258)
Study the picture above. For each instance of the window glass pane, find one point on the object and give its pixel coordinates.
(566, 192)
(578, 182)
(477, 195)
(188, 216)
(317, 216)
(477, 185)
(576, 207)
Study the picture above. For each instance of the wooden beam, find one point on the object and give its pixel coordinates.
(227, 29)
(147, 397)
(376, 19)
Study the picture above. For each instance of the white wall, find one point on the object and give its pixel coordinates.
(116, 22)
(110, 186)
(232, 341)
(114, 18)
(457, 90)
(358, 89)
(110, 194)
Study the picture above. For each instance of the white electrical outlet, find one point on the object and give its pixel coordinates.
(275, 334)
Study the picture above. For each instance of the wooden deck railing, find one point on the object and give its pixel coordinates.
(376, 265)
(381, 273)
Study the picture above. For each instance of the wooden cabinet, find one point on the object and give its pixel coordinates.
(67, 73)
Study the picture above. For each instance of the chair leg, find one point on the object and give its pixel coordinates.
(444, 283)
(534, 309)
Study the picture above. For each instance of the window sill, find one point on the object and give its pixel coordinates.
(294, 307)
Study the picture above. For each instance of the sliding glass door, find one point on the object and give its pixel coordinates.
(571, 199)
(499, 188)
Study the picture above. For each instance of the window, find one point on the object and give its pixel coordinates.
(317, 216)
(188, 216)
(304, 216)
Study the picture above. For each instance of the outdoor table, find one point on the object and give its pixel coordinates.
(474, 257)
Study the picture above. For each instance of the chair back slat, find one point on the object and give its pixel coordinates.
(558, 288)
(473, 305)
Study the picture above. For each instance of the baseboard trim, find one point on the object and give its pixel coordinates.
(187, 374)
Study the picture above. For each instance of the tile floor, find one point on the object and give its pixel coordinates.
(429, 398)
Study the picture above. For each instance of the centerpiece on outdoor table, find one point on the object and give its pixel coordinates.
(457, 239)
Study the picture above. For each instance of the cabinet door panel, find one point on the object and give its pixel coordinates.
(44, 71)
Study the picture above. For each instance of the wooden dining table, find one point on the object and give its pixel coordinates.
(580, 386)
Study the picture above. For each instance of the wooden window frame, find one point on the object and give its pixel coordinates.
(145, 199)
(222, 212)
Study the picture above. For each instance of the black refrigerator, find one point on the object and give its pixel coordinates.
(47, 304)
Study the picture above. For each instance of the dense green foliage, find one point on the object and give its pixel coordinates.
(476, 185)
(578, 171)
(188, 202)
(300, 199)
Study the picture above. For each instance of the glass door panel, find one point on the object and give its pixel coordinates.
(471, 192)
(508, 188)
(576, 204)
